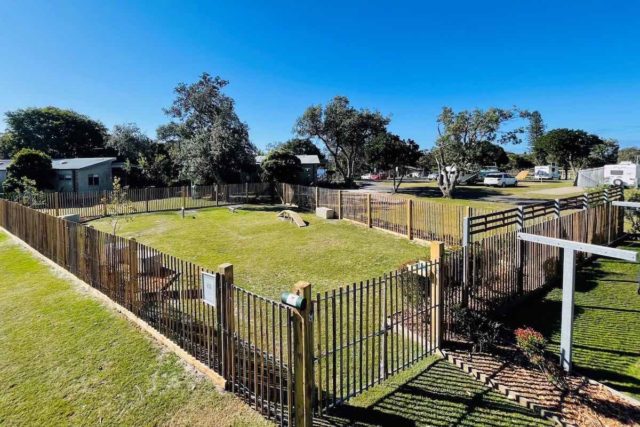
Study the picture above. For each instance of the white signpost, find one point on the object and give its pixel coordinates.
(209, 288)
(570, 248)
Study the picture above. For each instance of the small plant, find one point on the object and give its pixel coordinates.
(633, 215)
(481, 331)
(26, 193)
(532, 344)
(119, 207)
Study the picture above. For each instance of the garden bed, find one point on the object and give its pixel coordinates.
(585, 403)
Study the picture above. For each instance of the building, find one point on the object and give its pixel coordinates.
(81, 174)
(310, 166)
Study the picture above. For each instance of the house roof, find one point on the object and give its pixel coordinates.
(305, 159)
(65, 164)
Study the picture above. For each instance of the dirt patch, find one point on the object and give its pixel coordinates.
(559, 191)
(586, 403)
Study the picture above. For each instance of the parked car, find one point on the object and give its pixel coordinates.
(432, 176)
(379, 176)
(366, 176)
(500, 180)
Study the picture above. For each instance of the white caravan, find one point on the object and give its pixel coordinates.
(625, 173)
(546, 172)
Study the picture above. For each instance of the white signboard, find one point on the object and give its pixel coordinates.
(209, 288)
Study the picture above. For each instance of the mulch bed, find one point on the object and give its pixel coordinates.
(585, 403)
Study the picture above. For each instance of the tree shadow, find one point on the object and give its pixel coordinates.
(439, 395)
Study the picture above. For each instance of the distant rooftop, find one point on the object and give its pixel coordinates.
(305, 159)
(63, 164)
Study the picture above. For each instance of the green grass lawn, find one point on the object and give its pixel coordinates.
(67, 360)
(481, 196)
(607, 322)
(433, 393)
(270, 255)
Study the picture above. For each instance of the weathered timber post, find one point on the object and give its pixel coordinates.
(184, 197)
(520, 252)
(246, 192)
(409, 218)
(369, 221)
(303, 357)
(146, 199)
(339, 204)
(215, 189)
(225, 316)
(57, 204)
(104, 203)
(133, 288)
(317, 197)
(437, 277)
(608, 208)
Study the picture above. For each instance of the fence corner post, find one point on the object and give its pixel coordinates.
(303, 357)
(339, 204)
(215, 189)
(57, 204)
(409, 219)
(437, 258)
(146, 199)
(225, 316)
(317, 197)
(466, 255)
(133, 290)
(369, 219)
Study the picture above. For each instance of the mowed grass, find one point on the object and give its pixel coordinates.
(270, 255)
(433, 393)
(607, 322)
(67, 360)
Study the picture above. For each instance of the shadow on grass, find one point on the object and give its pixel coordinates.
(606, 322)
(438, 395)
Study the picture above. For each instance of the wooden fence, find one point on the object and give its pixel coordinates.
(411, 218)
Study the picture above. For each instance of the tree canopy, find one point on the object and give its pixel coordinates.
(301, 146)
(281, 166)
(212, 142)
(31, 164)
(344, 131)
(629, 154)
(577, 149)
(462, 141)
(56, 132)
(387, 151)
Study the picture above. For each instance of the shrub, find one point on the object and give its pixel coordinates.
(532, 344)
(481, 331)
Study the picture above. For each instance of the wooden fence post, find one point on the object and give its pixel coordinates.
(303, 357)
(184, 196)
(57, 204)
(146, 199)
(466, 254)
(215, 189)
(246, 192)
(437, 258)
(225, 316)
(104, 203)
(131, 292)
(317, 197)
(409, 218)
(369, 221)
(339, 204)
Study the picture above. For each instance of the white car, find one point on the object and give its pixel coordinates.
(500, 180)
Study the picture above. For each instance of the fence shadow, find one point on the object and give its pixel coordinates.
(438, 395)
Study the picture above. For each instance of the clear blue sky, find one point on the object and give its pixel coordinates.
(577, 62)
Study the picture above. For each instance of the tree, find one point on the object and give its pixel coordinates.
(31, 164)
(572, 148)
(281, 166)
(26, 193)
(462, 138)
(427, 161)
(535, 130)
(56, 132)
(212, 143)
(129, 142)
(344, 131)
(490, 153)
(301, 146)
(119, 206)
(629, 154)
(603, 153)
(519, 161)
(387, 151)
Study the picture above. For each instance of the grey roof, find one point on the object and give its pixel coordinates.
(64, 164)
(305, 159)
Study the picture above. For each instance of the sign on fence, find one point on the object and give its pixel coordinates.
(209, 288)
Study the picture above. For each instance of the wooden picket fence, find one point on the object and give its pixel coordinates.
(414, 219)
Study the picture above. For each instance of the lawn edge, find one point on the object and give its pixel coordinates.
(218, 381)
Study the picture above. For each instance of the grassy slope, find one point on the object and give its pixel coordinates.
(65, 359)
(270, 255)
(434, 393)
(607, 323)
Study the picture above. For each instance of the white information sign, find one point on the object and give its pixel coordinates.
(209, 288)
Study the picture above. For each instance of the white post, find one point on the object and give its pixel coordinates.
(568, 288)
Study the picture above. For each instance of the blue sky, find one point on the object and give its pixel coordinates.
(577, 62)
